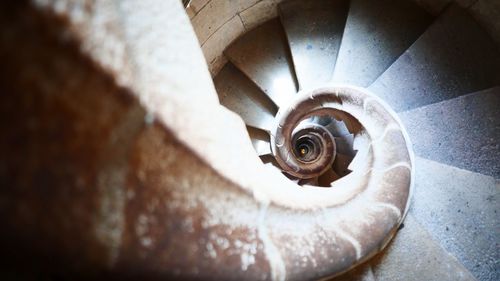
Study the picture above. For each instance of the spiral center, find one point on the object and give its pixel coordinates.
(307, 134)
(307, 148)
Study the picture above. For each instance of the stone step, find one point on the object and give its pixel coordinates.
(459, 209)
(414, 256)
(242, 96)
(263, 55)
(314, 30)
(375, 35)
(454, 57)
(462, 132)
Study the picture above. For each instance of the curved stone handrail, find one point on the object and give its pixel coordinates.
(194, 200)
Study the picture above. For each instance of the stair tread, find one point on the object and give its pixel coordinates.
(458, 208)
(413, 256)
(242, 96)
(341, 164)
(314, 31)
(375, 35)
(263, 55)
(455, 56)
(344, 145)
(260, 141)
(337, 128)
(461, 132)
(328, 177)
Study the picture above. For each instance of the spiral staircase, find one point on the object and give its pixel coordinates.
(433, 71)
(339, 140)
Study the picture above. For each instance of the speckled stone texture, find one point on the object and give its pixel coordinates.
(216, 13)
(314, 31)
(460, 209)
(115, 163)
(263, 51)
(376, 34)
(89, 177)
(454, 57)
(219, 22)
(239, 94)
(415, 256)
(461, 132)
(84, 169)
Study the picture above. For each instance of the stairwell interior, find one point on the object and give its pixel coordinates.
(436, 63)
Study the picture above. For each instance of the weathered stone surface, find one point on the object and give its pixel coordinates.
(214, 46)
(215, 14)
(460, 210)
(454, 56)
(395, 179)
(259, 13)
(89, 178)
(94, 187)
(461, 132)
(239, 94)
(265, 50)
(174, 227)
(414, 255)
(197, 5)
(376, 34)
(103, 185)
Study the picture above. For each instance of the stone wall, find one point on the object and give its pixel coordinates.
(219, 22)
